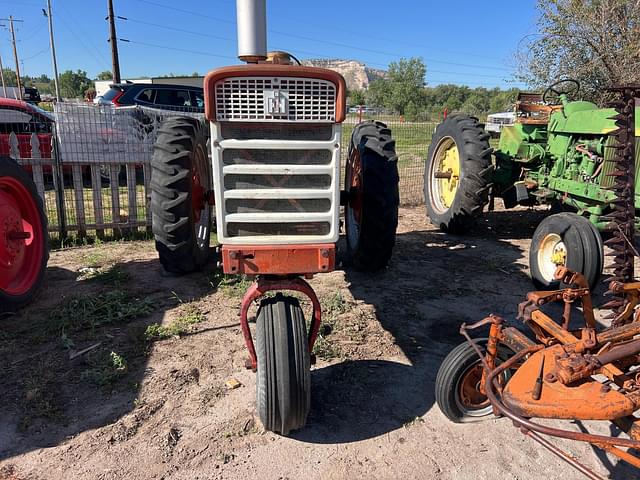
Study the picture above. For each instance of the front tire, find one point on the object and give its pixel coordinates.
(371, 182)
(24, 238)
(180, 178)
(457, 175)
(283, 385)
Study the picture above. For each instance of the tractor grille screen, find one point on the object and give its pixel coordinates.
(278, 229)
(266, 205)
(277, 99)
(276, 183)
(276, 157)
(252, 181)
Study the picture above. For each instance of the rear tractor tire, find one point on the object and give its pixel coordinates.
(283, 385)
(565, 239)
(180, 178)
(458, 173)
(373, 197)
(24, 239)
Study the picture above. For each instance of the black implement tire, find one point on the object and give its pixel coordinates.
(371, 182)
(283, 385)
(180, 170)
(461, 361)
(466, 191)
(24, 261)
(559, 235)
(593, 248)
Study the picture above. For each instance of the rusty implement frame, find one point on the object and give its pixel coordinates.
(553, 375)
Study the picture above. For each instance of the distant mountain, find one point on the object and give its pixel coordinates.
(357, 74)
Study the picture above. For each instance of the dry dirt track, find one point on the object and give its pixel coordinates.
(168, 415)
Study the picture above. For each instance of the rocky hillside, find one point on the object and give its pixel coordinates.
(357, 74)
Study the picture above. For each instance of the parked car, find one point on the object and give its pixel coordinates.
(169, 97)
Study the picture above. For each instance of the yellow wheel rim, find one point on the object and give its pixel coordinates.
(445, 174)
(551, 254)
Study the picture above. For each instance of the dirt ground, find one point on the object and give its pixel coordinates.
(149, 400)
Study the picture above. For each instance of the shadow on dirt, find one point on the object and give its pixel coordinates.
(51, 389)
(434, 283)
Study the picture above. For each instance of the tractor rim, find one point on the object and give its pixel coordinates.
(444, 174)
(21, 243)
(199, 206)
(551, 254)
(469, 399)
(356, 193)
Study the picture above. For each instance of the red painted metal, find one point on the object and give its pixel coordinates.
(279, 259)
(355, 185)
(21, 248)
(258, 289)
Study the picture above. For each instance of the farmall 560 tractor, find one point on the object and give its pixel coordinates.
(274, 134)
(558, 152)
(24, 248)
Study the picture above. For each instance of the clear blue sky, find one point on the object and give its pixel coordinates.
(467, 42)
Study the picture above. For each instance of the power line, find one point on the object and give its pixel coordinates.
(228, 39)
(100, 58)
(328, 42)
(164, 47)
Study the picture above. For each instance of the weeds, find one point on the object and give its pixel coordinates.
(325, 349)
(234, 285)
(105, 369)
(115, 306)
(181, 325)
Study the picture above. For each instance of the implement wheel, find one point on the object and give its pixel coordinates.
(180, 178)
(371, 182)
(458, 380)
(457, 174)
(283, 386)
(24, 241)
(569, 240)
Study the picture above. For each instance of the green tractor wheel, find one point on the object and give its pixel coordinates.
(565, 239)
(458, 173)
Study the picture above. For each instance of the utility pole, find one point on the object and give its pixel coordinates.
(114, 43)
(53, 51)
(15, 55)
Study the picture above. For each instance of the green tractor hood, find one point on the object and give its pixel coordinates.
(585, 118)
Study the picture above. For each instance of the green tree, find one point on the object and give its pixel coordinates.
(9, 77)
(74, 84)
(596, 42)
(356, 97)
(105, 75)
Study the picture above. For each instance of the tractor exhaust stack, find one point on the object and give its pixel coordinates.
(252, 30)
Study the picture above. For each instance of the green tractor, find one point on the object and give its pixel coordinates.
(558, 152)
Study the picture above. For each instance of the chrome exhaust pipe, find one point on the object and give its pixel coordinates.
(252, 30)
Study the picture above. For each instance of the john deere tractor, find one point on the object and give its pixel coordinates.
(559, 152)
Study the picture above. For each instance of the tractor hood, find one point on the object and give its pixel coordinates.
(585, 118)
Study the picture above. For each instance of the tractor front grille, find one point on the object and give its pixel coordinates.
(276, 183)
(245, 99)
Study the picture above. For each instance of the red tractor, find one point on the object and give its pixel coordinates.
(24, 249)
(274, 134)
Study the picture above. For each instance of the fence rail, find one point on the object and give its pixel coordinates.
(92, 164)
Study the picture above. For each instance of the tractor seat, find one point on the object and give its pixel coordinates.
(530, 110)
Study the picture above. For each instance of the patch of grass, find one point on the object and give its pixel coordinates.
(104, 369)
(234, 285)
(94, 259)
(334, 305)
(181, 325)
(325, 349)
(114, 306)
